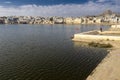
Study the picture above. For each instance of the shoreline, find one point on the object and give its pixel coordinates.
(104, 24)
(109, 68)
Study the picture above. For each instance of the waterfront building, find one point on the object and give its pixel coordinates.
(59, 20)
(37, 21)
(77, 20)
(118, 20)
(107, 17)
(84, 20)
(1, 21)
(99, 20)
(90, 20)
(68, 20)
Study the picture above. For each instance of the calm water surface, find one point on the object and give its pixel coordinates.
(46, 52)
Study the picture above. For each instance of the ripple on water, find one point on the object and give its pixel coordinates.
(51, 67)
(32, 53)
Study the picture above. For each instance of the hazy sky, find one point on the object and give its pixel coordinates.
(57, 7)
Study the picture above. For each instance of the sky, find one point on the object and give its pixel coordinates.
(57, 7)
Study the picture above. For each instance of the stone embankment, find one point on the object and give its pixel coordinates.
(109, 68)
(113, 34)
(89, 36)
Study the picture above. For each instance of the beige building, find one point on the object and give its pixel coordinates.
(84, 20)
(77, 21)
(98, 20)
(37, 21)
(68, 20)
(59, 20)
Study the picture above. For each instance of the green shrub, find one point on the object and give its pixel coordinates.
(100, 45)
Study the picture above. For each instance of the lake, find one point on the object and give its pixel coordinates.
(46, 52)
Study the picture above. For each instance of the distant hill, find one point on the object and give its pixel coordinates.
(109, 12)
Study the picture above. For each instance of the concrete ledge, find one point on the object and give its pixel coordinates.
(84, 36)
(110, 32)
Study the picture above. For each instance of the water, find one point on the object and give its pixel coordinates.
(45, 52)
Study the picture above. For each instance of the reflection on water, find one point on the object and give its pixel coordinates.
(45, 52)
